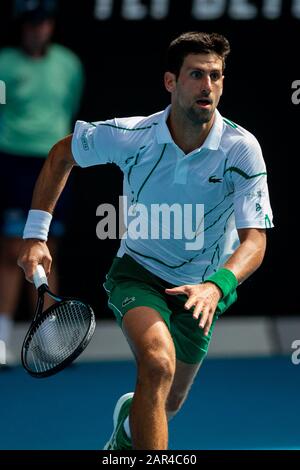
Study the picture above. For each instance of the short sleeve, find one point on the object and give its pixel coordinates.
(95, 144)
(247, 170)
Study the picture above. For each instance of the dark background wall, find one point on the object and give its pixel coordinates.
(124, 60)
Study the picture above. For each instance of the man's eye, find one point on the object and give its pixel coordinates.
(215, 76)
(196, 74)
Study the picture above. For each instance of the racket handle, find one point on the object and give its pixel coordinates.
(39, 276)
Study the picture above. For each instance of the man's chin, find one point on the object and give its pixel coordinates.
(202, 116)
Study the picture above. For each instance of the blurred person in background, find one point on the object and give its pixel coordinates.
(44, 84)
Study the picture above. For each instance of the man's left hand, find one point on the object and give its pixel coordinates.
(204, 298)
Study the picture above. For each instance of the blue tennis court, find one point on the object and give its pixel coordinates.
(234, 404)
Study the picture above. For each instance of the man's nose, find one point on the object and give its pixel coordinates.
(206, 84)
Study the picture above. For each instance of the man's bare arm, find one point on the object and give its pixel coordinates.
(49, 185)
(249, 255)
(53, 176)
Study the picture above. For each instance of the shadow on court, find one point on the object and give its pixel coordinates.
(234, 404)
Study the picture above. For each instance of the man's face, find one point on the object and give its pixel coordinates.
(198, 88)
(37, 36)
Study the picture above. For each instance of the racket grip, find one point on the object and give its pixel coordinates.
(39, 276)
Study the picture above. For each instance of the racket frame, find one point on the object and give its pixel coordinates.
(39, 315)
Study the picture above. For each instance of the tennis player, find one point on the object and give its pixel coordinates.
(167, 295)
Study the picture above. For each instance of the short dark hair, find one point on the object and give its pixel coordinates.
(195, 42)
(37, 11)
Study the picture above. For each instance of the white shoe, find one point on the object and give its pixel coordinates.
(119, 440)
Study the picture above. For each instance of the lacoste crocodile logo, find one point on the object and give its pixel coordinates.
(127, 301)
(213, 179)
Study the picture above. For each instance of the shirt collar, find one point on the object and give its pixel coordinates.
(212, 141)
(162, 130)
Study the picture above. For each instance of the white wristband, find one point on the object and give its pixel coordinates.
(37, 224)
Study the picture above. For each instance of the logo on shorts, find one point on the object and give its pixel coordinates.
(127, 301)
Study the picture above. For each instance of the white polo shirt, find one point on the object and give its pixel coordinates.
(227, 175)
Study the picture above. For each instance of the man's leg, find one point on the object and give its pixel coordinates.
(183, 380)
(10, 274)
(10, 284)
(153, 347)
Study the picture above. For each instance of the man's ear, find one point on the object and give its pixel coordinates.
(170, 81)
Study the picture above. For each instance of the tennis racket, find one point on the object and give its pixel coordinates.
(59, 334)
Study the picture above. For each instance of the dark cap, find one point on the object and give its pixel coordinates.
(34, 11)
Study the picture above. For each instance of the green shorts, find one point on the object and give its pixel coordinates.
(129, 285)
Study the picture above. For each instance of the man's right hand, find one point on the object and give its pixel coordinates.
(32, 253)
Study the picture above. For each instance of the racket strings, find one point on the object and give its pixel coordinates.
(58, 335)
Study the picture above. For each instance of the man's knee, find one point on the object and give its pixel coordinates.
(156, 367)
(183, 380)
